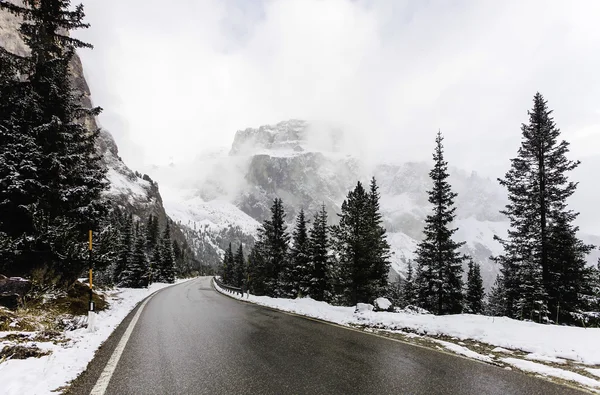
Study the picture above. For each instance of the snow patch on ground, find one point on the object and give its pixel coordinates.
(503, 350)
(545, 358)
(595, 372)
(545, 370)
(458, 349)
(43, 375)
(544, 341)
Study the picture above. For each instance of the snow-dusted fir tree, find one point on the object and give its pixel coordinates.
(360, 250)
(68, 167)
(256, 270)
(538, 188)
(439, 263)
(319, 254)
(379, 251)
(152, 232)
(301, 265)
(167, 264)
(409, 295)
(19, 156)
(136, 274)
(275, 247)
(155, 262)
(228, 266)
(239, 265)
(570, 290)
(474, 289)
(125, 250)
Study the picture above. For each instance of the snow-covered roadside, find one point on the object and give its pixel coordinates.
(43, 375)
(546, 343)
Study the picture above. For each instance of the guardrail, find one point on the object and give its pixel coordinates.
(227, 288)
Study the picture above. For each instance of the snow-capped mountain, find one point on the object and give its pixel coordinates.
(306, 165)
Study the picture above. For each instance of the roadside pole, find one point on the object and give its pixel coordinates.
(91, 312)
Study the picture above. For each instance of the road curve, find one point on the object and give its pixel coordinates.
(189, 339)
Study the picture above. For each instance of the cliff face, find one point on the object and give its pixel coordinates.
(129, 190)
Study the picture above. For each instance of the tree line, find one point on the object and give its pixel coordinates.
(544, 275)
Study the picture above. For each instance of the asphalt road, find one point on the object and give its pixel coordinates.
(189, 339)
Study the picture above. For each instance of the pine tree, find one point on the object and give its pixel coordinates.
(239, 267)
(152, 232)
(136, 274)
(379, 250)
(351, 243)
(69, 170)
(274, 248)
(538, 188)
(19, 156)
(474, 292)
(319, 254)
(301, 268)
(167, 264)
(228, 267)
(496, 305)
(408, 291)
(439, 281)
(125, 251)
(155, 264)
(568, 274)
(257, 270)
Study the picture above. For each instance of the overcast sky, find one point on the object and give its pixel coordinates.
(181, 76)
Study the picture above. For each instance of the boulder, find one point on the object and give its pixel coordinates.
(14, 285)
(10, 301)
(12, 291)
(383, 304)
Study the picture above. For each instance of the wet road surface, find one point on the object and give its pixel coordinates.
(189, 339)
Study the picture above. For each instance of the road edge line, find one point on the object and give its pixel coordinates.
(104, 380)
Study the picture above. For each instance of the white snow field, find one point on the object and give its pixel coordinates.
(40, 376)
(547, 343)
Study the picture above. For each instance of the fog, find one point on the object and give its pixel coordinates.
(179, 77)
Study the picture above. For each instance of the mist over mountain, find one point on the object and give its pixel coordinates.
(308, 164)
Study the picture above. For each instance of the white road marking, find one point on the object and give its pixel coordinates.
(111, 365)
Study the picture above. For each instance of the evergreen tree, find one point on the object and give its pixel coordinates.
(496, 305)
(274, 248)
(125, 251)
(136, 274)
(538, 188)
(319, 254)
(297, 271)
(474, 292)
(568, 275)
(351, 243)
(379, 250)
(68, 168)
(408, 291)
(256, 270)
(152, 232)
(155, 264)
(239, 267)
(167, 265)
(19, 156)
(228, 267)
(439, 263)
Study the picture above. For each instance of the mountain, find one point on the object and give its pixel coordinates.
(129, 190)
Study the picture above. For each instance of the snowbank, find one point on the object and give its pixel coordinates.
(544, 342)
(37, 376)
